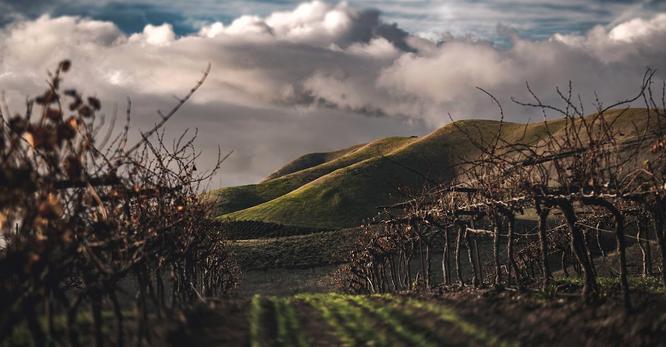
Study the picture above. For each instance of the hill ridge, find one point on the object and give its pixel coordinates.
(309, 160)
(232, 199)
(343, 197)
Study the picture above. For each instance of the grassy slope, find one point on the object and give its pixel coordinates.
(310, 160)
(344, 197)
(298, 251)
(237, 198)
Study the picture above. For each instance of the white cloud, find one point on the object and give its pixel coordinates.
(315, 23)
(324, 57)
(450, 73)
(158, 35)
(638, 28)
(379, 48)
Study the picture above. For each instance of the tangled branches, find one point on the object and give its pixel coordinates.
(569, 173)
(93, 224)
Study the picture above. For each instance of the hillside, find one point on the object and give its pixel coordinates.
(233, 199)
(344, 191)
(310, 160)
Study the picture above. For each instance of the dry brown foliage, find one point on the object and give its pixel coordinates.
(92, 223)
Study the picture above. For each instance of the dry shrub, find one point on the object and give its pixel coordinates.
(580, 170)
(92, 223)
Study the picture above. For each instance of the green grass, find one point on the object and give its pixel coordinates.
(21, 335)
(255, 321)
(304, 251)
(289, 331)
(610, 285)
(237, 198)
(344, 191)
(447, 315)
(385, 319)
(392, 318)
(249, 230)
(351, 324)
(310, 160)
(334, 319)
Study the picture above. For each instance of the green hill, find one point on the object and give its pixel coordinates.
(343, 191)
(233, 199)
(310, 160)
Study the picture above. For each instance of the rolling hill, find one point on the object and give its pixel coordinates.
(311, 160)
(298, 173)
(341, 189)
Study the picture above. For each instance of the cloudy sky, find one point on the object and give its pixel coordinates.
(290, 78)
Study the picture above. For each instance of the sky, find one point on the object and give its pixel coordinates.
(291, 77)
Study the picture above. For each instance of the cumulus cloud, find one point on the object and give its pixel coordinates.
(158, 35)
(443, 77)
(534, 18)
(638, 28)
(315, 23)
(294, 81)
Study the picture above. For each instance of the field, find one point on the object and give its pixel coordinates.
(347, 320)
(250, 230)
(455, 318)
(288, 297)
(301, 251)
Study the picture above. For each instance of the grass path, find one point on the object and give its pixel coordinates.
(395, 321)
(358, 320)
(351, 324)
(443, 314)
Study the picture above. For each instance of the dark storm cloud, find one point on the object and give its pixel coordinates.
(369, 26)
